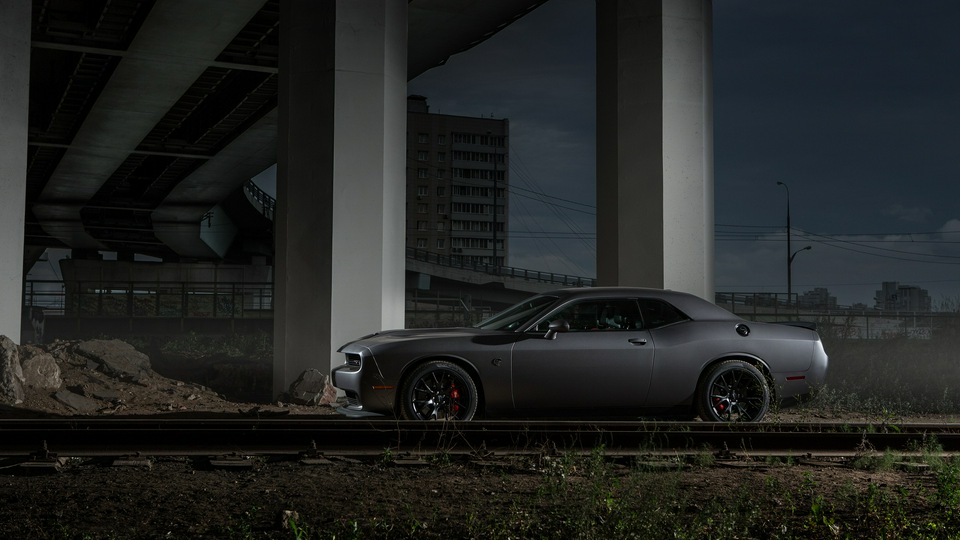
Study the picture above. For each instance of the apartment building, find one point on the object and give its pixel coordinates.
(457, 178)
(896, 297)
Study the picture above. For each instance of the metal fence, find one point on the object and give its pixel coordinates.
(842, 322)
(151, 299)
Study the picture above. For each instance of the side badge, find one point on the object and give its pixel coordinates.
(743, 330)
(496, 362)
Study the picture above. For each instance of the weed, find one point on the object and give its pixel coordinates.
(885, 461)
(387, 457)
(441, 458)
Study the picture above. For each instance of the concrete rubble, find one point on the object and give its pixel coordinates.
(112, 377)
(116, 358)
(77, 402)
(11, 373)
(40, 369)
(312, 388)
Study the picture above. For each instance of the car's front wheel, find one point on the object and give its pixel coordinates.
(438, 390)
(733, 391)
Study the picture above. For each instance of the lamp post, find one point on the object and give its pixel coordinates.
(493, 221)
(790, 254)
(789, 277)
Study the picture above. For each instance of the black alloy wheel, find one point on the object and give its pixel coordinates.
(733, 391)
(439, 390)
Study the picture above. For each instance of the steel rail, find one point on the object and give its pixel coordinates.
(293, 435)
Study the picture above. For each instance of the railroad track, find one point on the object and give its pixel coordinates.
(335, 436)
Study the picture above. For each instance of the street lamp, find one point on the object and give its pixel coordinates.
(789, 277)
(790, 253)
(493, 222)
(789, 256)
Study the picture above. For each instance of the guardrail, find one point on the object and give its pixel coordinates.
(454, 261)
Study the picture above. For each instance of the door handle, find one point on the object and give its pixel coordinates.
(638, 341)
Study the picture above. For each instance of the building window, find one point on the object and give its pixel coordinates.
(423, 138)
(422, 155)
(440, 173)
(422, 226)
(471, 243)
(441, 209)
(423, 191)
(422, 243)
(442, 191)
(471, 208)
(441, 139)
(422, 208)
(423, 173)
(441, 226)
(441, 156)
(441, 243)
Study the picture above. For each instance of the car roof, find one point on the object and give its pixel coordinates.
(693, 306)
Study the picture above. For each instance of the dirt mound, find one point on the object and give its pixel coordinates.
(111, 377)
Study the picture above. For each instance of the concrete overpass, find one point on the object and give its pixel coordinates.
(125, 124)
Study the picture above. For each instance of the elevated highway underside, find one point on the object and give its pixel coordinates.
(146, 115)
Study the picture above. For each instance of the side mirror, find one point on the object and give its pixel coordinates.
(556, 327)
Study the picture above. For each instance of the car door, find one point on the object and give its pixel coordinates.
(604, 361)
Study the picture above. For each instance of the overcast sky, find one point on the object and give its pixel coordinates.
(855, 105)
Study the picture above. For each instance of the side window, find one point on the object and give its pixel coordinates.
(657, 313)
(597, 315)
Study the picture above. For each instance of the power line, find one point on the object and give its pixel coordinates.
(521, 174)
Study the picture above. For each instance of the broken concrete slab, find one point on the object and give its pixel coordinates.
(116, 358)
(77, 402)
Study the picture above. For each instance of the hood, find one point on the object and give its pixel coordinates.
(395, 336)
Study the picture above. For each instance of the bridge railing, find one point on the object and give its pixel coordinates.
(268, 204)
(454, 261)
(153, 299)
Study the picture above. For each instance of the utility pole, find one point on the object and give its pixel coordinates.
(493, 141)
(791, 255)
(789, 251)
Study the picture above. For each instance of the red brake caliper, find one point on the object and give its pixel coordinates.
(718, 404)
(455, 397)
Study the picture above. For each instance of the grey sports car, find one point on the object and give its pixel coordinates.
(587, 352)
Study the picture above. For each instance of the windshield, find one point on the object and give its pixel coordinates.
(516, 316)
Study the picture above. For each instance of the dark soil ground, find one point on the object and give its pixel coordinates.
(553, 495)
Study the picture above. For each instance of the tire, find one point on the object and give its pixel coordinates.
(438, 390)
(733, 391)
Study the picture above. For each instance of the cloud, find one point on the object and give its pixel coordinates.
(909, 214)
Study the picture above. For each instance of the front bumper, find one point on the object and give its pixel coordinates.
(356, 411)
(365, 391)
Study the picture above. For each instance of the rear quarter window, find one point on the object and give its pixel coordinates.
(657, 313)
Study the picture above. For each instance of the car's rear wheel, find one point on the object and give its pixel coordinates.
(733, 391)
(438, 390)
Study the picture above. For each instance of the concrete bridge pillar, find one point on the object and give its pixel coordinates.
(655, 144)
(14, 105)
(340, 179)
